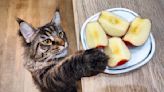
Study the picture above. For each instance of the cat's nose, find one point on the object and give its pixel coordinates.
(59, 41)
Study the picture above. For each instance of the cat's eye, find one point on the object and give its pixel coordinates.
(61, 34)
(47, 42)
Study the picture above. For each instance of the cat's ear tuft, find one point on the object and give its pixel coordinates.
(57, 18)
(26, 30)
(19, 20)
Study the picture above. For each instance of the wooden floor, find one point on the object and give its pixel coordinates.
(13, 77)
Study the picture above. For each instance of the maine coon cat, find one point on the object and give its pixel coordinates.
(47, 60)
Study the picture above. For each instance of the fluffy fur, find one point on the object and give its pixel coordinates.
(47, 60)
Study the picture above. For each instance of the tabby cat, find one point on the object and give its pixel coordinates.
(46, 57)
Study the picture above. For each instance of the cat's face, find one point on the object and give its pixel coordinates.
(48, 42)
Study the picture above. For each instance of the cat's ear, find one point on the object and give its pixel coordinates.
(26, 30)
(57, 18)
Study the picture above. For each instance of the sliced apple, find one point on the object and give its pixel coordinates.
(117, 51)
(138, 32)
(95, 35)
(113, 24)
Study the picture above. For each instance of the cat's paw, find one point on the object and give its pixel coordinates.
(95, 60)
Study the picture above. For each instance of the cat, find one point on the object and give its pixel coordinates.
(46, 57)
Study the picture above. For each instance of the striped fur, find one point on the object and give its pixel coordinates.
(47, 60)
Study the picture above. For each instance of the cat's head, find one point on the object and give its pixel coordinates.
(45, 43)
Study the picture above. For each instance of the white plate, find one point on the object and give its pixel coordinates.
(140, 55)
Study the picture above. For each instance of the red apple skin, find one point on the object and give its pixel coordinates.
(117, 51)
(129, 44)
(122, 62)
(100, 46)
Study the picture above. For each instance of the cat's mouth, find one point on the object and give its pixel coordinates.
(62, 53)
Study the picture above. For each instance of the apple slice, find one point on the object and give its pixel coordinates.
(113, 24)
(138, 32)
(117, 51)
(95, 35)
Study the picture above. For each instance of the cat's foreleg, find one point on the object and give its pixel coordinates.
(81, 64)
(64, 75)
